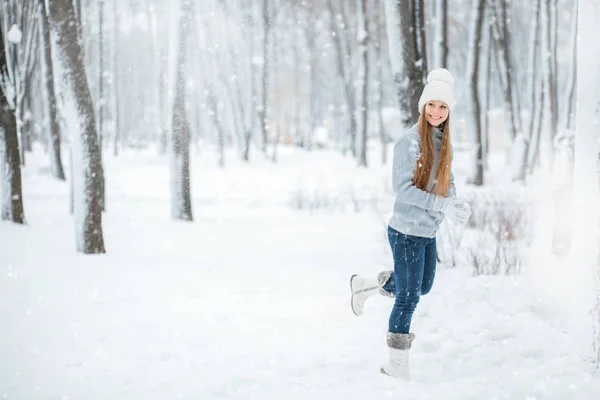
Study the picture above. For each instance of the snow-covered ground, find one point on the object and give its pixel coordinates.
(251, 300)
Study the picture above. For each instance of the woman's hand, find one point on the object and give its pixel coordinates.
(458, 210)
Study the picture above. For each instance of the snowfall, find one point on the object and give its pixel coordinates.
(251, 300)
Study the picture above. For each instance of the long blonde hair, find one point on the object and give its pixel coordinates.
(425, 162)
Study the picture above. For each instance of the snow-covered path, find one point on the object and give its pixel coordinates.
(252, 303)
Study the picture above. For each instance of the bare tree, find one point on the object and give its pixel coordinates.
(339, 30)
(363, 42)
(550, 94)
(181, 204)
(563, 163)
(248, 112)
(11, 202)
(101, 99)
(264, 107)
(417, 8)
(500, 33)
(475, 35)
(487, 89)
(297, 35)
(115, 93)
(570, 92)
(86, 150)
(380, 59)
(51, 101)
(441, 37)
(524, 138)
(312, 49)
(20, 18)
(407, 67)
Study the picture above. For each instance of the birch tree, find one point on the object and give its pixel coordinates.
(84, 137)
(586, 243)
(475, 35)
(54, 133)
(181, 203)
(404, 57)
(11, 197)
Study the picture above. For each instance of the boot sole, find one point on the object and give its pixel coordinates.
(352, 296)
(401, 378)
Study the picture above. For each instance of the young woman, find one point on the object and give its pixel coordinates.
(424, 192)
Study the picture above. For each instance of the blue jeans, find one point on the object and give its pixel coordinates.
(414, 272)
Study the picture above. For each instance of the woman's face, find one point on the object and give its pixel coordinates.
(436, 112)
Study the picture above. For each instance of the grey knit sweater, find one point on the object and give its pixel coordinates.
(416, 212)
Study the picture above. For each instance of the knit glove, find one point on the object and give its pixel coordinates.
(458, 210)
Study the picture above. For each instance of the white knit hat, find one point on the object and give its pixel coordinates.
(440, 86)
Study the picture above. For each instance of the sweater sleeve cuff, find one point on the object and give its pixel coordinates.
(440, 203)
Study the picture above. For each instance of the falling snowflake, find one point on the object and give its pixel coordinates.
(14, 35)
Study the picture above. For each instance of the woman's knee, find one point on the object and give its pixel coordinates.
(426, 288)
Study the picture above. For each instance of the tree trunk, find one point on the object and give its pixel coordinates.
(477, 15)
(214, 115)
(406, 66)
(101, 100)
(562, 176)
(11, 204)
(180, 192)
(525, 137)
(534, 145)
(344, 71)
(86, 157)
(264, 108)
(363, 41)
(11, 201)
(296, 129)
(116, 72)
(550, 106)
(570, 97)
(253, 107)
(505, 71)
(485, 129)
(441, 34)
(380, 59)
(21, 123)
(418, 10)
(48, 78)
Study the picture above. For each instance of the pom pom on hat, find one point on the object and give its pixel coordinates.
(440, 74)
(440, 86)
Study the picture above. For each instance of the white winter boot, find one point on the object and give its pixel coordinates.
(399, 346)
(363, 288)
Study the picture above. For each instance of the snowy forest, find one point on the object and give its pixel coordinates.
(176, 175)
